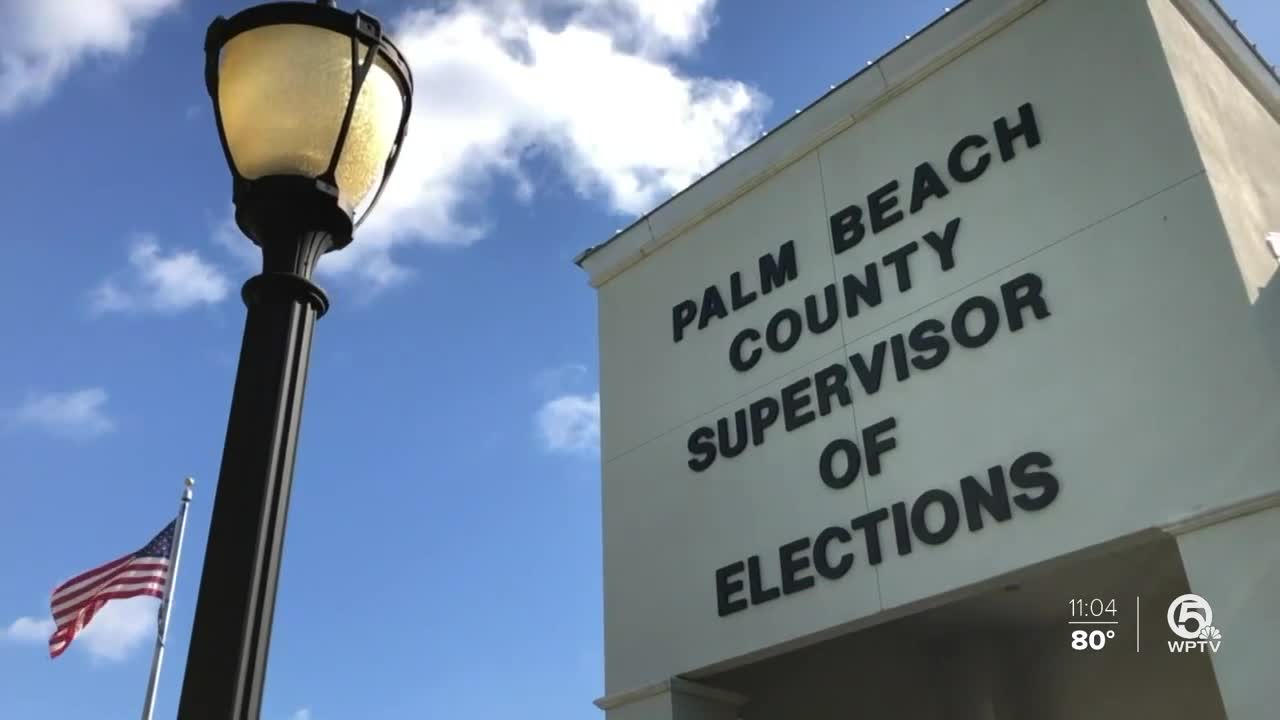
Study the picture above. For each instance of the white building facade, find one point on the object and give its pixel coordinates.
(936, 401)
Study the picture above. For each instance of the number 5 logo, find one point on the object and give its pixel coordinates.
(1189, 609)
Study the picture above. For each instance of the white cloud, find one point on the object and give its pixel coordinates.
(119, 628)
(656, 28)
(161, 283)
(116, 631)
(30, 630)
(301, 714)
(46, 39)
(78, 413)
(570, 423)
(591, 84)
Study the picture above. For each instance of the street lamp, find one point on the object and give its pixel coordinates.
(312, 104)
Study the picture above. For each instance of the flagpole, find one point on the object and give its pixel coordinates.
(162, 626)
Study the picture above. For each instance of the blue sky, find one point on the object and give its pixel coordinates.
(443, 555)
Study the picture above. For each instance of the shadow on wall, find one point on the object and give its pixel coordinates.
(1265, 315)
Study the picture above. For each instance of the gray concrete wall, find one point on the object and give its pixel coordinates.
(1238, 135)
(1235, 566)
(1232, 564)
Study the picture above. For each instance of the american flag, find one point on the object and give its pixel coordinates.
(141, 573)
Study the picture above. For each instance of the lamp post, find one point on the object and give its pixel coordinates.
(312, 104)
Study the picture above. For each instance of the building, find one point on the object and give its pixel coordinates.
(937, 400)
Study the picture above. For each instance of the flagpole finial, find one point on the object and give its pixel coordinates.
(189, 482)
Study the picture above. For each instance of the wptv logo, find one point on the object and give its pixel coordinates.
(1191, 619)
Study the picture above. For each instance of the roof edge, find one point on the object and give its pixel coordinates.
(847, 103)
(871, 67)
(833, 112)
(1222, 32)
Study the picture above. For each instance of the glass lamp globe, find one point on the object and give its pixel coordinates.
(305, 93)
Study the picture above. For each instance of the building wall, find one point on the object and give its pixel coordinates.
(1234, 566)
(1236, 134)
(1150, 331)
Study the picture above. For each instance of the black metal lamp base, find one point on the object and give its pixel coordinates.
(294, 224)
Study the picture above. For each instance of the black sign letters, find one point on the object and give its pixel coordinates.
(1026, 483)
